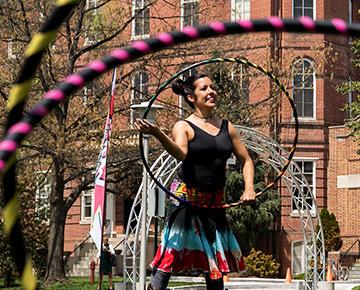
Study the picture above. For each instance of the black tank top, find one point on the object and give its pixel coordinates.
(205, 162)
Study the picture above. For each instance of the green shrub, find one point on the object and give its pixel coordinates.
(300, 276)
(331, 228)
(261, 265)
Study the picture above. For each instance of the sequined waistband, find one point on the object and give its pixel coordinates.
(193, 195)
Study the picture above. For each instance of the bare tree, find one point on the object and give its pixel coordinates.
(66, 143)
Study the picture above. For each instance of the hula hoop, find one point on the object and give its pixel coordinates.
(17, 133)
(215, 60)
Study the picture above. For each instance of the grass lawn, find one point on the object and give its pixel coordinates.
(356, 288)
(82, 283)
(79, 283)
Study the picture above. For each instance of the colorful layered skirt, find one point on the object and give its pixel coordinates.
(197, 239)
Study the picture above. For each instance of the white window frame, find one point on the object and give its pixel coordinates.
(10, 50)
(244, 72)
(144, 90)
(133, 26)
(302, 257)
(88, 91)
(91, 4)
(41, 14)
(294, 211)
(85, 95)
(240, 15)
(350, 98)
(88, 193)
(40, 198)
(183, 3)
(293, 8)
(300, 117)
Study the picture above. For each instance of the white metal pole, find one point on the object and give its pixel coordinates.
(143, 242)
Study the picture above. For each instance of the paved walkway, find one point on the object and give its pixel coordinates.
(257, 284)
(346, 285)
(269, 284)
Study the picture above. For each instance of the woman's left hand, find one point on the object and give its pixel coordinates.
(248, 195)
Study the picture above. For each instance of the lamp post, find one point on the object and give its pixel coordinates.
(143, 242)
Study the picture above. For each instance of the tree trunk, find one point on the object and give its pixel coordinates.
(55, 261)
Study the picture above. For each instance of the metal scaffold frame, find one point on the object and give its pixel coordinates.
(271, 152)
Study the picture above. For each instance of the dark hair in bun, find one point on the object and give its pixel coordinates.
(186, 87)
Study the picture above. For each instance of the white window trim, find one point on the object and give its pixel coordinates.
(10, 53)
(292, 256)
(133, 36)
(314, 9)
(132, 92)
(37, 193)
(243, 78)
(243, 73)
(85, 95)
(311, 119)
(295, 212)
(83, 219)
(350, 97)
(233, 13)
(88, 41)
(88, 6)
(182, 11)
(41, 14)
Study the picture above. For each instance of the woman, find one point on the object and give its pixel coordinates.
(199, 239)
(105, 262)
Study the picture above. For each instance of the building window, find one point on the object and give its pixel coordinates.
(303, 8)
(140, 87)
(303, 73)
(240, 76)
(141, 13)
(297, 257)
(42, 196)
(11, 54)
(307, 170)
(350, 98)
(42, 11)
(240, 9)
(86, 205)
(140, 91)
(91, 32)
(189, 13)
(90, 4)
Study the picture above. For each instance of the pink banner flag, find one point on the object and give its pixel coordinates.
(98, 216)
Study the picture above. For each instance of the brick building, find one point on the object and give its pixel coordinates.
(313, 73)
(344, 184)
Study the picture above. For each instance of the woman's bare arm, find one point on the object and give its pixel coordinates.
(242, 154)
(177, 147)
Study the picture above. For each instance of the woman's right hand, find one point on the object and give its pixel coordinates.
(144, 126)
(178, 147)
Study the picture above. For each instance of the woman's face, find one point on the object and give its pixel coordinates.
(204, 93)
